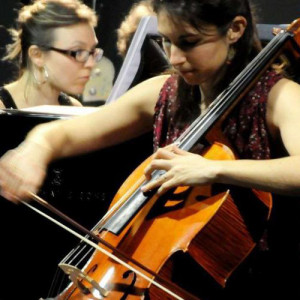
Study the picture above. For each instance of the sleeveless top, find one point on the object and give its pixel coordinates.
(245, 128)
(278, 251)
(8, 101)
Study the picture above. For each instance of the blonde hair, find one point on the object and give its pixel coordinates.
(36, 22)
(130, 24)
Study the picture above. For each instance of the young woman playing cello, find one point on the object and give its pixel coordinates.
(208, 43)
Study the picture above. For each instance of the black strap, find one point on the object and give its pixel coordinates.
(7, 99)
(64, 99)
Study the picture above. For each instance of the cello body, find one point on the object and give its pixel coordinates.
(204, 223)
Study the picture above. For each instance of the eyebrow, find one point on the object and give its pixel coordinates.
(183, 36)
(79, 44)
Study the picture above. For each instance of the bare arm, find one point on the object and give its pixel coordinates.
(277, 175)
(1, 104)
(128, 117)
(23, 169)
(280, 175)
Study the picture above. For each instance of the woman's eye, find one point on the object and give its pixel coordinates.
(79, 51)
(183, 44)
(187, 44)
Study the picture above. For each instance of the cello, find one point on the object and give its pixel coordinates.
(208, 223)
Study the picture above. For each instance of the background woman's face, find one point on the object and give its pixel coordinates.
(65, 73)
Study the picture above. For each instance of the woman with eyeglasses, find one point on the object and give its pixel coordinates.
(208, 43)
(55, 48)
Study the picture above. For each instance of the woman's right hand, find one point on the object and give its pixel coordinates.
(23, 170)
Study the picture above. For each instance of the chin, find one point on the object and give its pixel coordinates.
(191, 81)
(76, 90)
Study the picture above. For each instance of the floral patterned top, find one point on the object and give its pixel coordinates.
(245, 128)
(278, 249)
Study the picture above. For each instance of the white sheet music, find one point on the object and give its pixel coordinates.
(61, 110)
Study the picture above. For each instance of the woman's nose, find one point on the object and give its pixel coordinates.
(90, 63)
(177, 56)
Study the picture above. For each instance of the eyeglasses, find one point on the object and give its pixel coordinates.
(81, 56)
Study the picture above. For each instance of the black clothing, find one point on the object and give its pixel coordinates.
(9, 102)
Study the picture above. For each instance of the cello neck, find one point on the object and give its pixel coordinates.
(288, 40)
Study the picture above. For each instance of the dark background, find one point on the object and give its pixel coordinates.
(111, 13)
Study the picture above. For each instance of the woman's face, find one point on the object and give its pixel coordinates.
(198, 56)
(65, 73)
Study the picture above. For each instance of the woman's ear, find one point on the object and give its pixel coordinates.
(236, 29)
(36, 55)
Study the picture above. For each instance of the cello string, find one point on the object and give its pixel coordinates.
(219, 102)
(99, 240)
(71, 256)
(88, 252)
(105, 252)
(53, 287)
(119, 203)
(223, 98)
(75, 253)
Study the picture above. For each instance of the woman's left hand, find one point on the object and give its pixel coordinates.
(182, 168)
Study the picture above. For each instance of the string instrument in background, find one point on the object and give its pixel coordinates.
(151, 247)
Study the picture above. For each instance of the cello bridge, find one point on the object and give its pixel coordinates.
(80, 279)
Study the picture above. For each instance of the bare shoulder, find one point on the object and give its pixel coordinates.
(145, 94)
(74, 101)
(150, 87)
(284, 99)
(2, 105)
(159, 78)
(154, 83)
(284, 85)
(283, 114)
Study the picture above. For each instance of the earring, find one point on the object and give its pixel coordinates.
(46, 76)
(230, 55)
